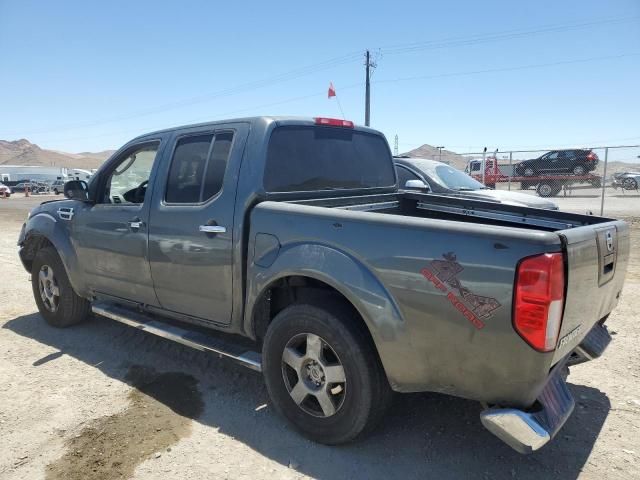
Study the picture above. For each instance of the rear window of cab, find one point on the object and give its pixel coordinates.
(308, 158)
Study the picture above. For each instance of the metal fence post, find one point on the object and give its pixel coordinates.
(484, 156)
(604, 180)
(510, 170)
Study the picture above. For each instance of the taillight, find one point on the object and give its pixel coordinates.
(539, 297)
(592, 156)
(334, 122)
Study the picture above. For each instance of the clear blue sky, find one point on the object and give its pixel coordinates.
(80, 75)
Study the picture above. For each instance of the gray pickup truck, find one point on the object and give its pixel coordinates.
(285, 245)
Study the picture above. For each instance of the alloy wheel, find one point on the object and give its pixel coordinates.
(49, 289)
(313, 375)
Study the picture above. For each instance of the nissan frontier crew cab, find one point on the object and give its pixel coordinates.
(292, 233)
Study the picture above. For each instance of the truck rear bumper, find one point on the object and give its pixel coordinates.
(527, 431)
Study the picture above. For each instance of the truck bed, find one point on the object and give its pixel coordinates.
(427, 205)
(428, 337)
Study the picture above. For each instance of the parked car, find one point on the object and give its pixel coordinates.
(57, 186)
(432, 176)
(34, 187)
(292, 234)
(574, 162)
(626, 180)
(20, 187)
(4, 190)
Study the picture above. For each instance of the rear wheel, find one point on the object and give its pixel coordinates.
(630, 184)
(323, 374)
(56, 300)
(548, 189)
(579, 170)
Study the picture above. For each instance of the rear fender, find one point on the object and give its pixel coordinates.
(339, 270)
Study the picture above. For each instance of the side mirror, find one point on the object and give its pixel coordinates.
(76, 190)
(417, 185)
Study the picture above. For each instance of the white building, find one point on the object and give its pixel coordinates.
(14, 173)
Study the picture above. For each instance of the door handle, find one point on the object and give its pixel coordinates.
(135, 224)
(212, 228)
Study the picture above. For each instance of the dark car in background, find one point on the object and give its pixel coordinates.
(442, 179)
(573, 162)
(34, 187)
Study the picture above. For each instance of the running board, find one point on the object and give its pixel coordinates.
(193, 339)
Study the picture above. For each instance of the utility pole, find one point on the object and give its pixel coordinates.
(367, 95)
(440, 153)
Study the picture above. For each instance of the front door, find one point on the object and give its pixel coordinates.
(111, 235)
(191, 225)
(551, 162)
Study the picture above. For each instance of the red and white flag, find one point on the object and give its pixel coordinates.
(332, 90)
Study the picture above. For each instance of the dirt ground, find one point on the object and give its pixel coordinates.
(103, 400)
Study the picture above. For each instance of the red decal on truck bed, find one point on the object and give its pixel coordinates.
(443, 275)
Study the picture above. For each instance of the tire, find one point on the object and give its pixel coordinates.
(64, 308)
(55, 190)
(548, 189)
(579, 170)
(630, 184)
(358, 402)
(529, 172)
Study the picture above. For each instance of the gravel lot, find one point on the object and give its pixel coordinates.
(102, 400)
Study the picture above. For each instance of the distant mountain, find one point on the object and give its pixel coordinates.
(432, 153)
(23, 152)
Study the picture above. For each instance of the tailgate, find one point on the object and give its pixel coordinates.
(597, 257)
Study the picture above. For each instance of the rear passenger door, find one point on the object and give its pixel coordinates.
(191, 227)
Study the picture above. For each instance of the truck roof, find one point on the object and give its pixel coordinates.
(263, 120)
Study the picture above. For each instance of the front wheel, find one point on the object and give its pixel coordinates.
(548, 189)
(323, 374)
(56, 300)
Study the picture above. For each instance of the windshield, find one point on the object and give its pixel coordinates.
(447, 176)
(305, 158)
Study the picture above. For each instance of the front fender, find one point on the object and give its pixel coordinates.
(46, 225)
(346, 274)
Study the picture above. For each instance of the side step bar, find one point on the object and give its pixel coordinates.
(193, 339)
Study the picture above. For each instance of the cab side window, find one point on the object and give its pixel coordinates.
(197, 167)
(187, 169)
(127, 182)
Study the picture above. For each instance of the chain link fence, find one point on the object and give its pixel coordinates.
(599, 180)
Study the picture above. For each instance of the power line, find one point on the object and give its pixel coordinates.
(497, 36)
(360, 84)
(283, 77)
(211, 117)
(347, 58)
(505, 69)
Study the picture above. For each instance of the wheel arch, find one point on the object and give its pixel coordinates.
(312, 272)
(42, 231)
